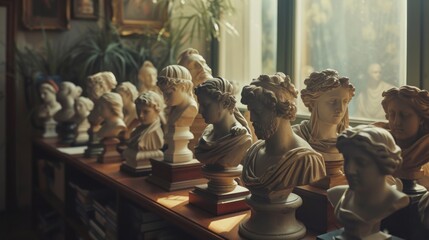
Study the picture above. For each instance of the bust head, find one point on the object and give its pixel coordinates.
(110, 105)
(370, 153)
(149, 107)
(175, 82)
(327, 96)
(128, 92)
(83, 106)
(269, 98)
(191, 59)
(147, 76)
(100, 83)
(68, 91)
(48, 91)
(407, 110)
(374, 72)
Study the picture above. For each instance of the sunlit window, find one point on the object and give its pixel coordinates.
(361, 39)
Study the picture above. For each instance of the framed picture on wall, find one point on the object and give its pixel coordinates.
(85, 9)
(139, 16)
(46, 14)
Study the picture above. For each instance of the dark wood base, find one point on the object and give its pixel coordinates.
(336, 234)
(330, 181)
(110, 154)
(176, 176)
(135, 172)
(316, 212)
(219, 203)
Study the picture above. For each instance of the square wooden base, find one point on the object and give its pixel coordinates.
(219, 203)
(176, 176)
(136, 172)
(316, 212)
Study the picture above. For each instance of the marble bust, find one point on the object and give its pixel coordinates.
(370, 154)
(83, 106)
(191, 59)
(281, 159)
(407, 112)
(326, 96)
(66, 96)
(147, 78)
(50, 106)
(175, 82)
(146, 139)
(110, 109)
(129, 94)
(227, 137)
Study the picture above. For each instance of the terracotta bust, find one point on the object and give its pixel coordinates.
(148, 138)
(110, 109)
(191, 59)
(97, 85)
(129, 94)
(326, 96)
(66, 96)
(407, 110)
(370, 154)
(227, 137)
(368, 101)
(281, 160)
(50, 106)
(147, 78)
(83, 106)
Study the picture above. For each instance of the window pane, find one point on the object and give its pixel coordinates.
(361, 39)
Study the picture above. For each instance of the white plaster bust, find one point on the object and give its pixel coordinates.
(129, 94)
(176, 85)
(370, 154)
(282, 159)
(227, 137)
(66, 96)
(191, 59)
(147, 78)
(96, 86)
(326, 96)
(83, 106)
(148, 138)
(50, 106)
(110, 109)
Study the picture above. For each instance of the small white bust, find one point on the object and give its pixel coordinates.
(66, 96)
(50, 106)
(83, 106)
(110, 109)
(147, 78)
(129, 93)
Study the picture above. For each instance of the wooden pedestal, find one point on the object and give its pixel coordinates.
(316, 212)
(336, 235)
(66, 132)
(219, 203)
(136, 172)
(109, 154)
(176, 176)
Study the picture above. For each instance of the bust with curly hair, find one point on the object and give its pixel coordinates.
(191, 59)
(370, 153)
(128, 93)
(66, 96)
(110, 107)
(407, 112)
(326, 96)
(280, 160)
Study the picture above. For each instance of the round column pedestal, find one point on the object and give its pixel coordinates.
(221, 180)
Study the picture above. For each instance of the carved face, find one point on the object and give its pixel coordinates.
(264, 120)
(374, 71)
(96, 89)
(404, 122)
(126, 98)
(147, 79)
(47, 95)
(105, 110)
(361, 170)
(81, 109)
(148, 115)
(174, 96)
(198, 68)
(332, 105)
(64, 93)
(209, 109)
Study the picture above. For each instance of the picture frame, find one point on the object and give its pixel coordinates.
(48, 15)
(85, 9)
(139, 16)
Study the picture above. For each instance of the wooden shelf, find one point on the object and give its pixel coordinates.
(173, 206)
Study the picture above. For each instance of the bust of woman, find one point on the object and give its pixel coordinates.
(129, 94)
(370, 154)
(326, 96)
(147, 78)
(148, 138)
(50, 106)
(83, 106)
(66, 97)
(407, 110)
(227, 137)
(110, 109)
(191, 59)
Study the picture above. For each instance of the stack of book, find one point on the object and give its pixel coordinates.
(104, 223)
